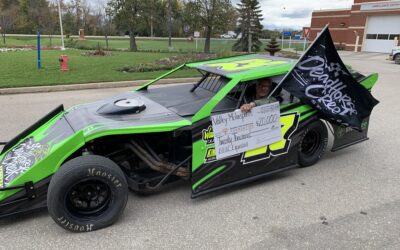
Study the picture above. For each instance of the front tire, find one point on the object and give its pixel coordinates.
(87, 193)
(313, 143)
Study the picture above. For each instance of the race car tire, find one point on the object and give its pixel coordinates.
(313, 143)
(397, 59)
(87, 193)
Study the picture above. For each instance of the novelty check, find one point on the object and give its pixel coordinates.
(237, 132)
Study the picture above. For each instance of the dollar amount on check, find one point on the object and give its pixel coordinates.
(237, 132)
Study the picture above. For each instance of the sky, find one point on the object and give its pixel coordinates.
(285, 14)
(295, 14)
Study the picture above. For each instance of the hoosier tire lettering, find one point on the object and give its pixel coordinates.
(74, 227)
(100, 173)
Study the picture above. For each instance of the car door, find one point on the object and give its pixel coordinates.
(210, 174)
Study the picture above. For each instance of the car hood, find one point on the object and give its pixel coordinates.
(108, 115)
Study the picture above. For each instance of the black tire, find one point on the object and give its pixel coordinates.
(397, 59)
(87, 193)
(313, 143)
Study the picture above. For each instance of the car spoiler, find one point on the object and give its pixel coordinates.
(32, 128)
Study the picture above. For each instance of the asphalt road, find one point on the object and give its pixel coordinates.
(350, 199)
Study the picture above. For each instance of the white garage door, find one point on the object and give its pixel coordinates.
(381, 32)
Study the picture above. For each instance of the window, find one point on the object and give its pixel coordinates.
(280, 94)
(371, 36)
(211, 82)
(392, 36)
(383, 36)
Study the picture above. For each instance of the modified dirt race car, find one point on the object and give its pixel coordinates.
(80, 162)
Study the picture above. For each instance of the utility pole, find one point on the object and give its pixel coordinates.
(61, 26)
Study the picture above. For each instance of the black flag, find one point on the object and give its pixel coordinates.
(321, 80)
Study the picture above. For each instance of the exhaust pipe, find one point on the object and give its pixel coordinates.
(156, 164)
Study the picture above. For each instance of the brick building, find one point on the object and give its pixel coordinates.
(376, 23)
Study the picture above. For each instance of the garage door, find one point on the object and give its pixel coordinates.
(381, 32)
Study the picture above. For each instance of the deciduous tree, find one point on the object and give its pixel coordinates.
(128, 14)
(214, 14)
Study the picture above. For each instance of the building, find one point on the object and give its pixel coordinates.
(375, 23)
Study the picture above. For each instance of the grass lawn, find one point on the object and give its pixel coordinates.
(18, 69)
(123, 43)
(217, 45)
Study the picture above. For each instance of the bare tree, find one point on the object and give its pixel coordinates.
(7, 20)
(51, 23)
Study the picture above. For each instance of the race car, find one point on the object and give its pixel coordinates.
(80, 162)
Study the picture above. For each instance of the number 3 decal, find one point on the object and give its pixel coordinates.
(289, 124)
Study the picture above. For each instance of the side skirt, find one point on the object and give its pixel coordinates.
(243, 181)
(24, 202)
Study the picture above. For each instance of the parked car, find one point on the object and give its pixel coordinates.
(395, 55)
(80, 162)
(227, 36)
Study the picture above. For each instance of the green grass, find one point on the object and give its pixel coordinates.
(123, 44)
(18, 69)
(217, 45)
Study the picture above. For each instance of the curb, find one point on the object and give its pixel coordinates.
(100, 85)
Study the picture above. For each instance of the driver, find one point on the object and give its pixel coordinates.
(263, 89)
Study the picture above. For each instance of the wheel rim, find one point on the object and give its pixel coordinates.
(310, 142)
(88, 198)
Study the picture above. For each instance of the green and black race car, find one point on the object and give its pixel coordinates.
(80, 162)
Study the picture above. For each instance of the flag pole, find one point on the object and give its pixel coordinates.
(301, 58)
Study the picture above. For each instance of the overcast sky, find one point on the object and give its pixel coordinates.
(295, 13)
(286, 13)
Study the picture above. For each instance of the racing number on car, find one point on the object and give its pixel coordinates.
(244, 64)
(289, 124)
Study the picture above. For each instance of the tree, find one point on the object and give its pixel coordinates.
(190, 17)
(272, 46)
(5, 24)
(250, 26)
(214, 14)
(51, 22)
(128, 14)
(34, 14)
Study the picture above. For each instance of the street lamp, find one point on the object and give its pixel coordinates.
(61, 26)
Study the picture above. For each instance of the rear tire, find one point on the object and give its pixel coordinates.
(87, 193)
(313, 143)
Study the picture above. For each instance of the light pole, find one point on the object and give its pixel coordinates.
(61, 26)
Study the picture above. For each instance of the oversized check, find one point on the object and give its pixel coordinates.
(237, 132)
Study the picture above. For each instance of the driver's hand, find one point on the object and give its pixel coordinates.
(247, 107)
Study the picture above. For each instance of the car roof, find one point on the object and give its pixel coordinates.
(246, 67)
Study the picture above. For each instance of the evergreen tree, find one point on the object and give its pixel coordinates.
(250, 26)
(272, 46)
